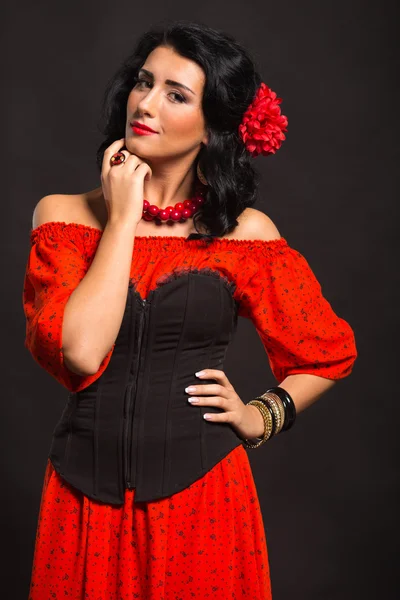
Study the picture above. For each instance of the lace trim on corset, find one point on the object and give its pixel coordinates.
(180, 271)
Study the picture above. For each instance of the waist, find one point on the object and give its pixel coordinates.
(166, 446)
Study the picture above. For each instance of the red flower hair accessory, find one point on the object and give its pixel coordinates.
(263, 125)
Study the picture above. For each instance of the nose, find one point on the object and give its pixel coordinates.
(148, 102)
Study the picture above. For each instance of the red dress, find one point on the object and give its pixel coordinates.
(208, 540)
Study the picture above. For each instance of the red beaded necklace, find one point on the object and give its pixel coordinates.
(180, 212)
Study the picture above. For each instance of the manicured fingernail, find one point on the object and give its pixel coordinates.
(207, 416)
(200, 373)
(193, 400)
(191, 388)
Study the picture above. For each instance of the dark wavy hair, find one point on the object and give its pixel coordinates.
(231, 82)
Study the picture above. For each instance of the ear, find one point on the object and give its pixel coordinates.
(205, 139)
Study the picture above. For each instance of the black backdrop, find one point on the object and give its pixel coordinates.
(328, 487)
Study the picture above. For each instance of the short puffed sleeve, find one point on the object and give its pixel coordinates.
(56, 264)
(297, 325)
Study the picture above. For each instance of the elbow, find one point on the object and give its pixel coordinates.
(80, 365)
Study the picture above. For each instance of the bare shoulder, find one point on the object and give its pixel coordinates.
(69, 208)
(255, 225)
(50, 208)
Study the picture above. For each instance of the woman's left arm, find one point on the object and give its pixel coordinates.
(305, 389)
(245, 418)
(308, 345)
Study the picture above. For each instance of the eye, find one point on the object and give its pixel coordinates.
(139, 81)
(179, 97)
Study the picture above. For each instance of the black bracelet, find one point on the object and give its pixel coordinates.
(288, 404)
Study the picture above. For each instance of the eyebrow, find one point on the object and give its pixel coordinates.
(168, 81)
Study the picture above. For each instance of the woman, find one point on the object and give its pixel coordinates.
(130, 302)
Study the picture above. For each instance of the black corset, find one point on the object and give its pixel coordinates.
(133, 427)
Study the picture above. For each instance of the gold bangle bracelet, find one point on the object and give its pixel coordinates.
(268, 424)
(277, 407)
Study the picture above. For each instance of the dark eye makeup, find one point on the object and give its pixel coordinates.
(179, 97)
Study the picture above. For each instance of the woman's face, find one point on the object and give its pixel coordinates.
(174, 112)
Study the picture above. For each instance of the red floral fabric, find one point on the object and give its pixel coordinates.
(276, 289)
(297, 325)
(207, 540)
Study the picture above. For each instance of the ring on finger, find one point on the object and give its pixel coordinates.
(117, 159)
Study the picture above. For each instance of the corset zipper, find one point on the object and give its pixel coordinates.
(132, 391)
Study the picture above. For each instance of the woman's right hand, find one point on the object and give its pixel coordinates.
(123, 184)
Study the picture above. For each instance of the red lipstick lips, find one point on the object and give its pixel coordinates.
(141, 129)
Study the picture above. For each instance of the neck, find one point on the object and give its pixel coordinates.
(171, 182)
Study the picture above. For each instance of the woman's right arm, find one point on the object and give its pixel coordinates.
(94, 311)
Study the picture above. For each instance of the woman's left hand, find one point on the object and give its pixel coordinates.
(246, 420)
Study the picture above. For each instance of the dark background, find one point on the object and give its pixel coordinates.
(328, 486)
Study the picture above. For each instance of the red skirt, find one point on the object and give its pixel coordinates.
(207, 541)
